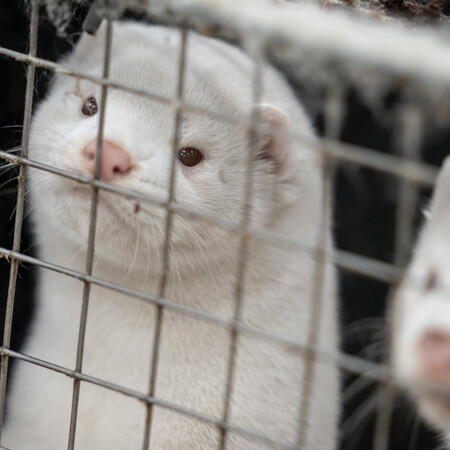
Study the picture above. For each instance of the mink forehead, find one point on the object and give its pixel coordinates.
(150, 71)
(155, 67)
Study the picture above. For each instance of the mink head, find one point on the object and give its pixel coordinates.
(421, 315)
(211, 156)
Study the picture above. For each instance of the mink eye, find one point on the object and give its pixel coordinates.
(89, 107)
(189, 156)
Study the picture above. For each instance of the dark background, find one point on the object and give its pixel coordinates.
(364, 222)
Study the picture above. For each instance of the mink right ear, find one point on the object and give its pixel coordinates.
(275, 147)
(89, 42)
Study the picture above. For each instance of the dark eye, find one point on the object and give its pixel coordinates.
(89, 107)
(189, 156)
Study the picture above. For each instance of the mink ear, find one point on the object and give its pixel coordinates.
(274, 146)
(440, 202)
(88, 43)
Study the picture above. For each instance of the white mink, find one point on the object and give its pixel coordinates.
(287, 199)
(420, 324)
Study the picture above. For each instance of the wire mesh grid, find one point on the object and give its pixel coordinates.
(407, 167)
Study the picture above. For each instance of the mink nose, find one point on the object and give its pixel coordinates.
(434, 356)
(115, 160)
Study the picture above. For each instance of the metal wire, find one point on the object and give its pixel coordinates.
(166, 252)
(333, 123)
(407, 169)
(345, 260)
(302, 27)
(398, 167)
(147, 399)
(255, 50)
(243, 328)
(409, 144)
(91, 238)
(19, 209)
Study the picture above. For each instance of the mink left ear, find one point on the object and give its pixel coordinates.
(439, 204)
(275, 145)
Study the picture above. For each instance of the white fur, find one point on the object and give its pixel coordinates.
(419, 309)
(203, 259)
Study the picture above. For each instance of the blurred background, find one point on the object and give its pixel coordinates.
(364, 209)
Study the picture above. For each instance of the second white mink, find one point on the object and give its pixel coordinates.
(421, 316)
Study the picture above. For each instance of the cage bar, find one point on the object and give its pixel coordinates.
(256, 52)
(20, 207)
(333, 123)
(410, 145)
(91, 238)
(168, 229)
(385, 47)
(243, 328)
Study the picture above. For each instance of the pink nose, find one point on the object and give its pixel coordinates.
(115, 160)
(434, 351)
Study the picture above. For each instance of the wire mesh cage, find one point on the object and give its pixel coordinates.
(346, 69)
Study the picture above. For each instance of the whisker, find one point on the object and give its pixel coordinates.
(8, 192)
(147, 269)
(364, 326)
(356, 387)
(374, 351)
(414, 433)
(10, 180)
(359, 419)
(134, 254)
(5, 127)
(6, 167)
(13, 150)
